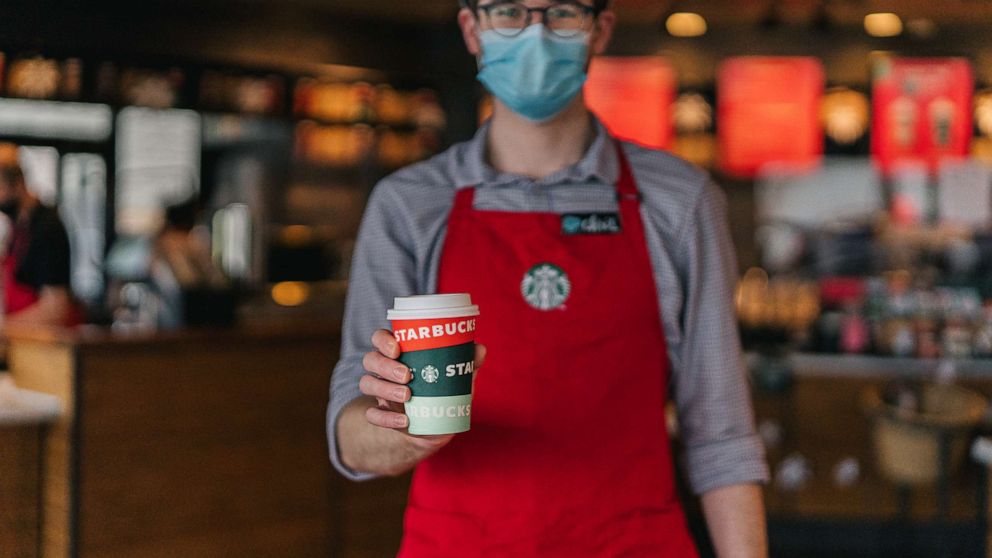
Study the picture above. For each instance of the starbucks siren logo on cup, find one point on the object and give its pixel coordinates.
(436, 334)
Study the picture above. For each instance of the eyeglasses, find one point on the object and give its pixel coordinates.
(565, 19)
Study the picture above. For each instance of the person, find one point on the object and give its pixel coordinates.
(36, 265)
(604, 274)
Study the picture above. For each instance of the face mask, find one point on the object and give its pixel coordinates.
(10, 208)
(536, 73)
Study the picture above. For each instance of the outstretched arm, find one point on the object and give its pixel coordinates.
(735, 516)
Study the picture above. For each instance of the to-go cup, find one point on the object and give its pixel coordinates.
(436, 334)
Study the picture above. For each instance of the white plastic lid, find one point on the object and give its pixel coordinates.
(427, 307)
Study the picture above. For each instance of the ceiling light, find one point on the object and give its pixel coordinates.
(290, 293)
(883, 24)
(685, 24)
(845, 114)
(692, 114)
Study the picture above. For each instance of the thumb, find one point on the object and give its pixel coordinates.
(480, 356)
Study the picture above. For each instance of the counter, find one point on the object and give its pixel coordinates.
(211, 443)
(195, 443)
(822, 419)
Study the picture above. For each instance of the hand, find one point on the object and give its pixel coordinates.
(386, 382)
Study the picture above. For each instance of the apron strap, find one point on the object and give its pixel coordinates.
(626, 186)
(464, 198)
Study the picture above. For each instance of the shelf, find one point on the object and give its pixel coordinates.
(357, 175)
(869, 366)
(361, 175)
(397, 126)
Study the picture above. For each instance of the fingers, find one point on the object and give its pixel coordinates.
(385, 343)
(386, 368)
(385, 419)
(390, 405)
(376, 387)
(389, 387)
(480, 357)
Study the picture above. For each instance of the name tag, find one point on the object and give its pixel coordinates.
(590, 223)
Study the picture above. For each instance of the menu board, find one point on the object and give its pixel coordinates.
(56, 120)
(768, 111)
(922, 110)
(633, 97)
(41, 171)
(964, 193)
(158, 165)
(841, 190)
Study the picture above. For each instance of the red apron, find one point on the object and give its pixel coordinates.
(568, 455)
(17, 296)
(20, 296)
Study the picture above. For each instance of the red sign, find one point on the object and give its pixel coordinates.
(768, 110)
(922, 110)
(633, 97)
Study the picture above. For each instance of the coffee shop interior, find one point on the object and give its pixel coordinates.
(211, 160)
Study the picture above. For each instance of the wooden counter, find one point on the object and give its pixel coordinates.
(211, 443)
(198, 443)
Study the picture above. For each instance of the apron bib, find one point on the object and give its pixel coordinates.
(568, 455)
(17, 295)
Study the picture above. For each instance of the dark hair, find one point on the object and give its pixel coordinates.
(11, 174)
(599, 5)
(184, 215)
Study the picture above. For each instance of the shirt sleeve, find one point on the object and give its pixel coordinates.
(54, 264)
(711, 391)
(383, 266)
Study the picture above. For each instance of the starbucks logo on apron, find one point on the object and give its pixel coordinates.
(429, 374)
(545, 286)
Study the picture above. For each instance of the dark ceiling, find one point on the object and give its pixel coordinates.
(945, 12)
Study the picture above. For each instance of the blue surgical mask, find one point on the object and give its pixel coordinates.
(537, 73)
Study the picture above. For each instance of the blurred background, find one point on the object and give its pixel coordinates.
(210, 162)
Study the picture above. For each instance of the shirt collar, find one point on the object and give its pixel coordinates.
(598, 164)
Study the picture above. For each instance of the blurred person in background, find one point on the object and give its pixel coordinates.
(604, 272)
(36, 254)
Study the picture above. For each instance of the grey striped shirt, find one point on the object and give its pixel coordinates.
(402, 235)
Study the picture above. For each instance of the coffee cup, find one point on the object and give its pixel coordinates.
(436, 335)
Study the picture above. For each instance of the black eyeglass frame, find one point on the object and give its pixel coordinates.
(486, 8)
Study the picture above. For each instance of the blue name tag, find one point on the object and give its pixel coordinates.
(590, 223)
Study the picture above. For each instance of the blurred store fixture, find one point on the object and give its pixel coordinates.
(883, 24)
(922, 431)
(115, 145)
